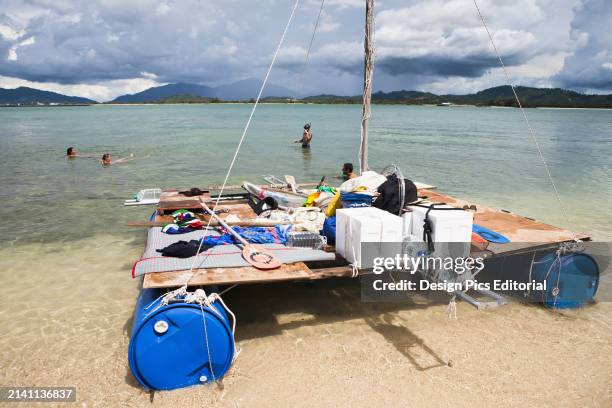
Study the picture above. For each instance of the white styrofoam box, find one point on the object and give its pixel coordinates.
(407, 224)
(355, 226)
(447, 225)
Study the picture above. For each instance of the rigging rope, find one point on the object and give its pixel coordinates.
(244, 132)
(199, 296)
(314, 32)
(531, 131)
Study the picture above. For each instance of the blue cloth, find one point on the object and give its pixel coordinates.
(254, 235)
(329, 230)
(352, 200)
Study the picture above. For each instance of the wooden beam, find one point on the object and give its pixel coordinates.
(242, 275)
(368, 72)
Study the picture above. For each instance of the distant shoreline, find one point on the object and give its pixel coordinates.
(299, 103)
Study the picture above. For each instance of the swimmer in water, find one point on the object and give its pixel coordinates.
(107, 159)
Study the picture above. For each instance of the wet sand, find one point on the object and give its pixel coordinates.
(66, 314)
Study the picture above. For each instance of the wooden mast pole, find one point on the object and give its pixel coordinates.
(367, 84)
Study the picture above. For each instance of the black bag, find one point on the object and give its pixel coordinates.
(389, 198)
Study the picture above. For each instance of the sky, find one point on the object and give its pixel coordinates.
(104, 48)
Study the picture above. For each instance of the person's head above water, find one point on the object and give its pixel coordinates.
(106, 158)
(71, 152)
(347, 168)
(307, 126)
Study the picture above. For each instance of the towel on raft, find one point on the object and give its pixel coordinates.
(254, 235)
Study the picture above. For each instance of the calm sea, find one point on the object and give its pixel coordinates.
(66, 254)
(482, 154)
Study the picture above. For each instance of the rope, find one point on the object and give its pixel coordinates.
(314, 31)
(531, 131)
(246, 128)
(199, 296)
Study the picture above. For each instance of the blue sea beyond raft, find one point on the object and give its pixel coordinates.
(168, 346)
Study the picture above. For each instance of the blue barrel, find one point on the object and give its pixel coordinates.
(168, 343)
(571, 280)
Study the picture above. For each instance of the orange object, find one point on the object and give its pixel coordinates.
(479, 242)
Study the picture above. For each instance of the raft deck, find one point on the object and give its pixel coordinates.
(525, 234)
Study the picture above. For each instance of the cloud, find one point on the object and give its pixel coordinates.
(439, 38)
(119, 45)
(588, 68)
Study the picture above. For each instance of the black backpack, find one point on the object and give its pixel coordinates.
(389, 197)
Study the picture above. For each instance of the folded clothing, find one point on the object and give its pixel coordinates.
(183, 249)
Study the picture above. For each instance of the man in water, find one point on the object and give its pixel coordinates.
(306, 137)
(347, 171)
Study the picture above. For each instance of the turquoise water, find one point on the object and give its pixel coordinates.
(482, 154)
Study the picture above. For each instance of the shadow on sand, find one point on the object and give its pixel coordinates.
(329, 301)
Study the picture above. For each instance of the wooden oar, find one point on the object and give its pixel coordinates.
(241, 223)
(256, 257)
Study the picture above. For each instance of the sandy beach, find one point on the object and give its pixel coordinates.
(301, 344)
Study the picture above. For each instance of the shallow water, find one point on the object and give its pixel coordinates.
(66, 253)
(482, 154)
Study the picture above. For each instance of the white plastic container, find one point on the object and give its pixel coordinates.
(407, 224)
(447, 225)
(451, 229)
(357, 226)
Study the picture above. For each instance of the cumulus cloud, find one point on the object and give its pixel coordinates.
(589, 67)
(106, 47)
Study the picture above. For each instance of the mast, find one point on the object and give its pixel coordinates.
(367, 84)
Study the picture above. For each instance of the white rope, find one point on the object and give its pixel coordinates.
(451, 309)
(199, 296)
(314, 31)
(246, 128)
(531, 132)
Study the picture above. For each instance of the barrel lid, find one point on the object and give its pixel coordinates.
(168, 349)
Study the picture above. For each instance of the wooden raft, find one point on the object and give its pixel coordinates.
(526, 235)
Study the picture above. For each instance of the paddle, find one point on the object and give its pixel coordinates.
(240, 223)
(256, 257)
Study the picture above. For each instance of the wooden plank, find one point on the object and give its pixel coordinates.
(241, 210)
(242, 275)
(520, 230)
(173, 200)
(222, 276)
(238, 186)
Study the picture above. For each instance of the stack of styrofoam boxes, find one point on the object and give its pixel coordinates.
(355, 226)
(448, 226)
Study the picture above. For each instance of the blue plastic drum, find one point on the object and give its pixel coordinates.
(571, 281)
(168, 347)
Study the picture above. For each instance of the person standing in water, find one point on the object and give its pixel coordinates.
(306, 137)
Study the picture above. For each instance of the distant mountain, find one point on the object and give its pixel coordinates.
(31, 96)
(532, 97)
(248, 89)
(497, 96)
(167, 91)
(236, 91)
